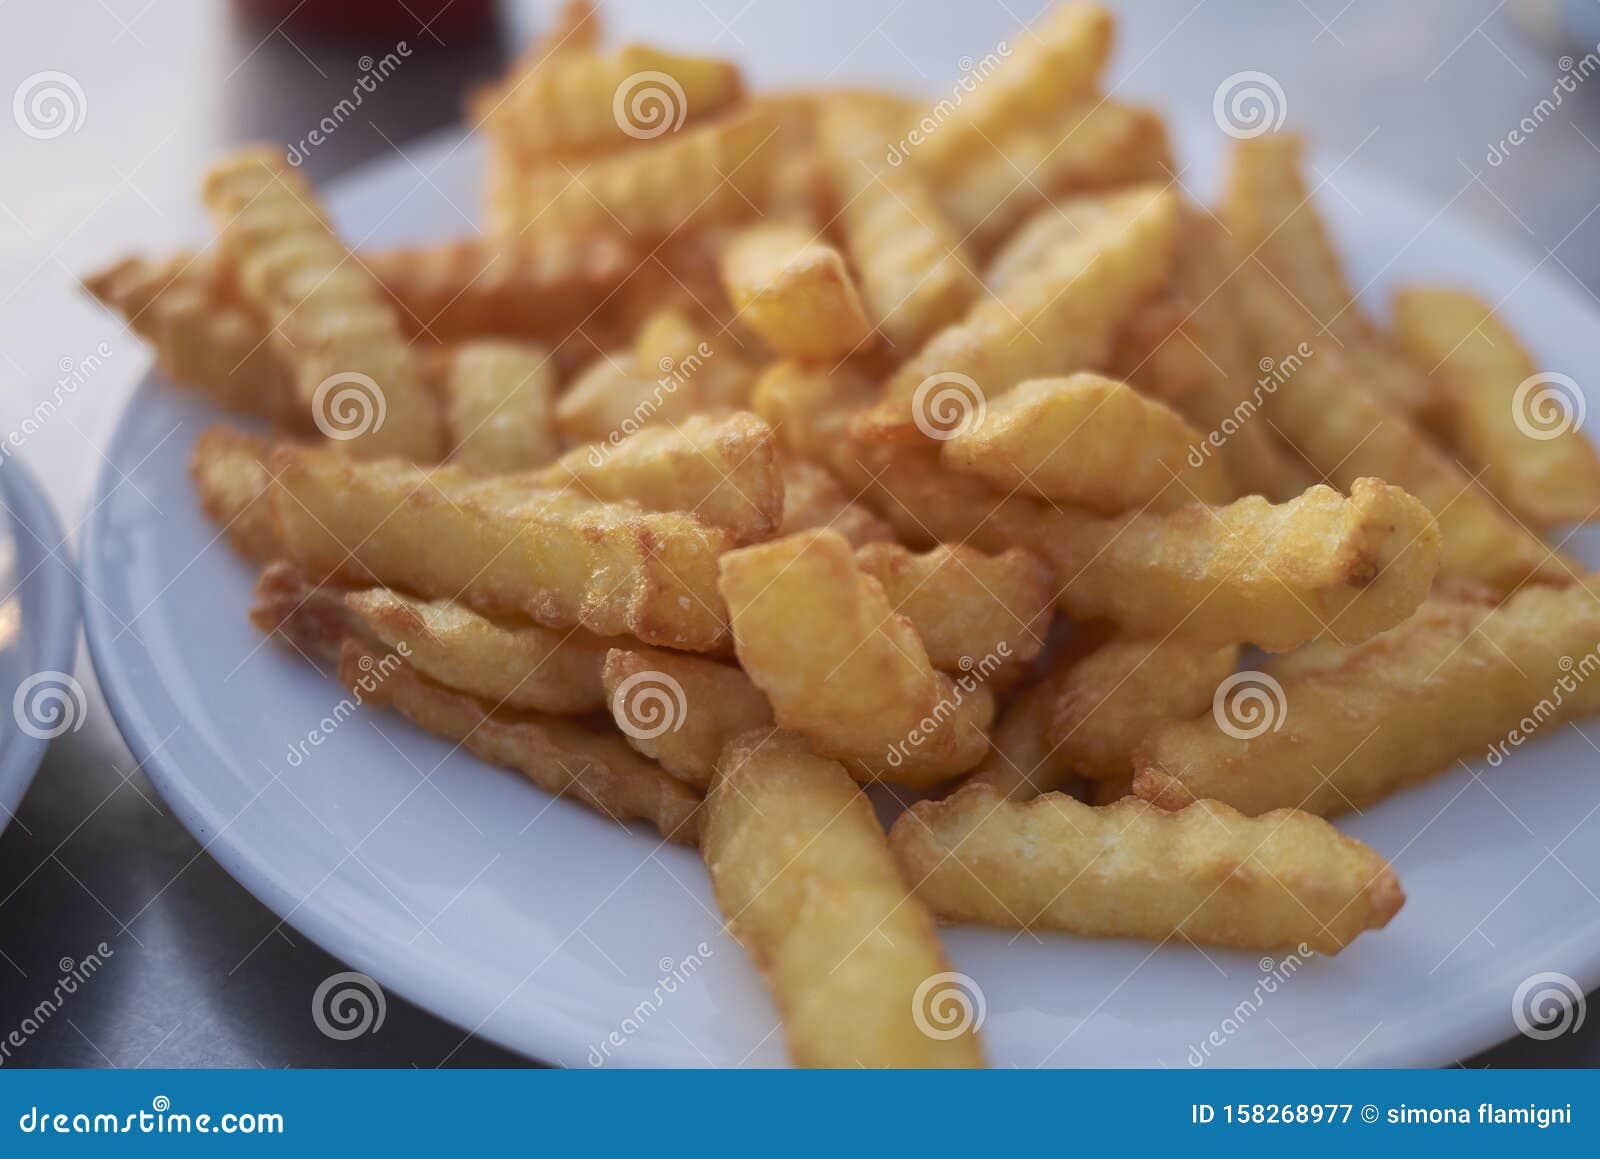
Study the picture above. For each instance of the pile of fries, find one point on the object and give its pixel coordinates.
(770, 446)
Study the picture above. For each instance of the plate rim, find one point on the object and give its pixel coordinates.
(561, 1035)
(22, 754)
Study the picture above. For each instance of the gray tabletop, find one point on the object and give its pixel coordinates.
(198, 973)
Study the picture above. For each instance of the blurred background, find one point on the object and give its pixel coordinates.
(1424, 93)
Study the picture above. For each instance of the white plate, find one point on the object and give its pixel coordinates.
(548, 929)
(38, 634)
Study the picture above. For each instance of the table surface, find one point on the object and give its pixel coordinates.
(200, 973)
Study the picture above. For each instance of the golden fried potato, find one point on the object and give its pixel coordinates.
(721, 470)
(203, 338)
(1111, 699)
(1275, 576)
(354, 370)
(1186, 348)
(968, 608)
(498, 406)
(1022, 762)
(1092, 144)
(1205, 873)
(818, 636)
(1055, 61)
(681, 711)
(707, 175)
(915, 274)
(310, 617)
(1459, 680)
(230, 477)
(792, 288)
(1089, 441)
(1270, 213)
(1519, 428)
(813, 498)
(508, 663)
(502, 547)
(1346, 432)
(562, 758)
(582, 102)
(803, 874)
(1063, 314)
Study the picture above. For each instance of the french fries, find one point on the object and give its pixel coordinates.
(804, 877)
(1518, 427)
(1111, 699)
(354, 370)
(1089, 441)
(678, 710)
(497, 406)
(792, 288)
(1064, 313)
(562, 758)
(964, 605)
(1461, 679)
(721, 470)
(232, 481)
(915, 273)
(1022, 763)
(1205, 873)
(855, 679)
(813, 498)
(1270, 212)
(502, 547)
(509, 664)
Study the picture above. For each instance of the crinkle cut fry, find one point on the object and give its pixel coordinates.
(562, 758)
(1206, 873)
(504, 548)
(354, 367)
(805, 879)
(1457, 681)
